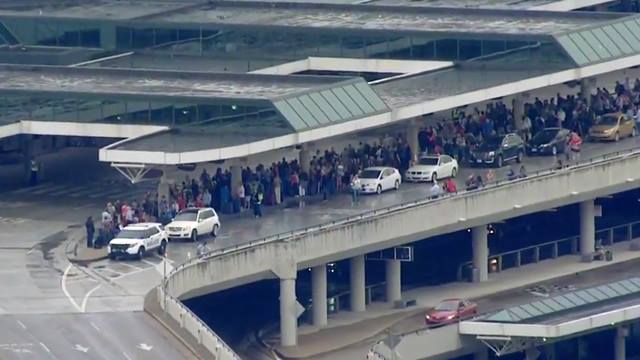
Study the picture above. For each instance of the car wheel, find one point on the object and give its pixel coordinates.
(454, 172)
(214, 231)
(163, 248)
(499, 161)
(520, 157)
(140, 252)
(194, 236)
(617, 138)
(379, 189)
(434, 177)
(397, 185)
(554, 150)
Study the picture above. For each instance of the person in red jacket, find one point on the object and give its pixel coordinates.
(450, 186)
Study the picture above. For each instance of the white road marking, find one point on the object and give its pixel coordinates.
(64, 288)
(95, 326)
(126, 356)
(145, 347)
(129, 265)
(66, 191)
(130, 273)
(81, 348)
(45, 348)
(21, 324)
(45, 190)
(86, 297)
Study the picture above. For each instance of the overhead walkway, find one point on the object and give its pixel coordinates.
(559, 317)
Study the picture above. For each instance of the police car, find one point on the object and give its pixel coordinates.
(137, 239)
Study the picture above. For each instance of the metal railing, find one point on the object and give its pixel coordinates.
(552, 249)
(292, 235)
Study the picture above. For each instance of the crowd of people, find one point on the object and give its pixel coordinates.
(332, 172)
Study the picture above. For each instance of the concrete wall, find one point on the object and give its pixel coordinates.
(404, 223)
(444, 343)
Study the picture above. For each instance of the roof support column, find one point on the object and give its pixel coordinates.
(620, 346)
(236, 174)
(304, 157)
(319, 295)
(357, 279)
(413, 128)
(550, 351)
(518, 110)
(108, 36)
(394, 280)
(587, 229)
(288, 318)
(163, 190)
(480, 251)
(586, 88)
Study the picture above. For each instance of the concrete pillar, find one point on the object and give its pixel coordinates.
(319, 295)
(413, 128)
(288, 319)
(586, 87)
(550, 351)
(357, 279)
(518, 109)
(108, 37)
(587, 229)
(304, 158)
(28, 149)
(482, 354)
(480, 251)
(163, 188)
(394, 280)
(236, 176)
(620, 346)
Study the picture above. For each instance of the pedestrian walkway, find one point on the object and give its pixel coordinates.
(95, 190)
(347, 328)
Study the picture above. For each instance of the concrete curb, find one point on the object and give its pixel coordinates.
(152, 307)
(77, 255)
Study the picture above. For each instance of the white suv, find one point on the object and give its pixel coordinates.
(137, 239)
(192, 222)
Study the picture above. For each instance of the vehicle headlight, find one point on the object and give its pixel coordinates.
(132, 245)
(427, 317)
(609, 131)
(450, 317)
(544, 145)
(492, 153)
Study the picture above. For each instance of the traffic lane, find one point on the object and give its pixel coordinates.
(127, 336)
(493, 303)
(241, 228)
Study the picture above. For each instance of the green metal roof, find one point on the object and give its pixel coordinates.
(606, 41)
(324, 106)
(567, 302)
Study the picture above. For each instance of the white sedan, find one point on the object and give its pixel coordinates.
(378, 179)
(431, 168)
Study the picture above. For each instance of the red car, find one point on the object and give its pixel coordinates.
(450, 311)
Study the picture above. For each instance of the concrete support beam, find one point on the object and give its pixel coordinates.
(357, 279)
(619, 343)
(587, 229)
(236, 175)
(413, 128)
(304, 158)
(319, 295)
(163, 188)
(518, 109)
(394, 280)
(288, 318)
(586, 87)
(480, 251)
(108, 37)
(550, 351)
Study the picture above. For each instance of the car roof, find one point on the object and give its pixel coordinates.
(431, 156)
(194, 210)
(142, 226)
(377, 168)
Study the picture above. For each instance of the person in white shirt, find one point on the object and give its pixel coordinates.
(355, 189)
(436, 190)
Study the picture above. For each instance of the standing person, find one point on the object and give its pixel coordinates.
(257, 204)
(490, 176)
(34, 170)
(575, 143)
(355, 189)
(277, 189)
(91, 230)
(302, 187)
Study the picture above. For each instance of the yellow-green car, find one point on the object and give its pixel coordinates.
(612, 127)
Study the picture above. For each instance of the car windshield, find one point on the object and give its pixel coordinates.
(370, 174)
(186, 216)
(131, 234)
(491, 144)
(608, 120)
(449, 305)
(545, 136)
(429, 161)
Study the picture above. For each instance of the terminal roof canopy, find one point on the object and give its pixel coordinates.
(384, 18)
